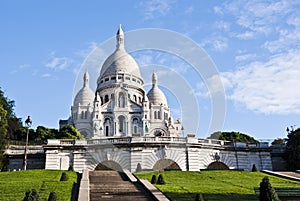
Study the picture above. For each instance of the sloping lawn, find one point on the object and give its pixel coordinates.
(214, 185)
(13, 185)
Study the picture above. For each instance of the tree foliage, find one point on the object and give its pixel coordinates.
(267, 192)
(292, 153)
(69, 132)
(278, 141)
(232, 136)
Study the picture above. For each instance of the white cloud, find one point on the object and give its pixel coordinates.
(217, 43)
(270, 87)
(155, 8)
(46, 75)
(57, 63)
(245, 57)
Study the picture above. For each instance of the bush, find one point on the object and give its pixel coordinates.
(70, 168)
(153, 179)
(64, 177)
(267, 192)
(254, 168)
(32, 196)
(138, 168)
(52, 197)
(160, 180)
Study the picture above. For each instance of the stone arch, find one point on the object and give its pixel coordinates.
(159, 132)
(109, 165)
(217, 165)
(166, 164)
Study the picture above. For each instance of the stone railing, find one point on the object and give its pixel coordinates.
(180, 140)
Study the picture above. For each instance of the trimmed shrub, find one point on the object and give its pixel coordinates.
(52, 197)
(160, 180)
(70, 168)
(64, 177)
(254, 168)
(153, 179)
(32, 196)
(138, 167)
(267, 192)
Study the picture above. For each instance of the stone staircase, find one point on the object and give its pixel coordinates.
(113, 185)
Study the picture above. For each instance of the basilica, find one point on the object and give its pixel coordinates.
(120, 106)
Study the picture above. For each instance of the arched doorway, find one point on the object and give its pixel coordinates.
(217, 165)
(109, 165)
(166, 164)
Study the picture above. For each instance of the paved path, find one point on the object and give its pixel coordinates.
(293, 174)
(113, 185)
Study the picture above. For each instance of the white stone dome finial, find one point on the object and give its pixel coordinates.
(154, 80)
(120, 38)
(86, 79)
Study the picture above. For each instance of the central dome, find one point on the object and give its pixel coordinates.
(120, 61)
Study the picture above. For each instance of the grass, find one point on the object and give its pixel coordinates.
(13, 185)
(214, 185)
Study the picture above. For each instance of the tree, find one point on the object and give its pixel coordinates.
(153, 179)
(52, 196)
(278, 141)
(13, 122)
(292, 152)
(32, 196)
(254, 168)
(160, 179)
(266, 191)
(69, 132)
(3, 131)
(232, 136)
(43, 133)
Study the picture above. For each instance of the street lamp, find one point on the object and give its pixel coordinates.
(28, 124)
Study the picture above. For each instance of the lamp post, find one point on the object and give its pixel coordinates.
(28, 124)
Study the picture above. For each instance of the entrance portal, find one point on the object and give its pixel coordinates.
(217, 166)
(109, 165)
(166, 164)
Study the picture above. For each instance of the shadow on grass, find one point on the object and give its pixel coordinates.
(75, 188)
(211, 197)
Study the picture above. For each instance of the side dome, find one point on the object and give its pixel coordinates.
(120, 60)
(85, 95)
(155, 95)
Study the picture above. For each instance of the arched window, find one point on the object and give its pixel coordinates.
(82, 114)
(140, 100)
(121, 124)
(101, 98)
(135, 129)
(107, 127)
(106, 99)
(158, 115)
(134, 98)
(121, 100)
(85, 114)
(155, 115)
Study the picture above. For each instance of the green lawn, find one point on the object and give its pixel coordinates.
(13, 185)
(214, 185)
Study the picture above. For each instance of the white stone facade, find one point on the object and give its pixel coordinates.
(189, 154)
(120, 106)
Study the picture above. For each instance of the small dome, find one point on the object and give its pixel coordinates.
(85, 96)
(120, 60)
(155, 95)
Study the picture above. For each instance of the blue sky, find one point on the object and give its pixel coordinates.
(255, 46)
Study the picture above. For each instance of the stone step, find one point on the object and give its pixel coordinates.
(113, 185)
